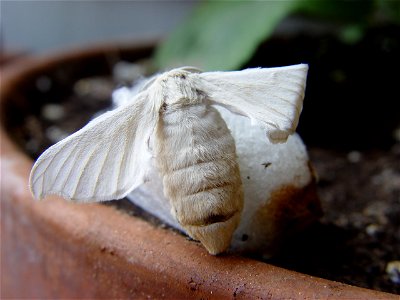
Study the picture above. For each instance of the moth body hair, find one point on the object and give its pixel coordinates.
(196, 155)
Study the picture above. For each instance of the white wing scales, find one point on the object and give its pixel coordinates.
(271, 96)
(105, 160)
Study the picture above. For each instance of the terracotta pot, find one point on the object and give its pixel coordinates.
(56, 249)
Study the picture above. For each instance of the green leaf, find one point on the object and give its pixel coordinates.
(222, 35)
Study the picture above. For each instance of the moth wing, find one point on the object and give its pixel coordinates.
(271, 96)
(104, 160)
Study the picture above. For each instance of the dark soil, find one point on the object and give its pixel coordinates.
(349, 124)
(359, 233)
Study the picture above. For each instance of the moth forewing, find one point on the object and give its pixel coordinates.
(105, 160)
(271, 96)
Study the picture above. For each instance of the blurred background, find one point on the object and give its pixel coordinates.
(42, 26)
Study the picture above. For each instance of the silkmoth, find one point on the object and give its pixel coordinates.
(172, 121)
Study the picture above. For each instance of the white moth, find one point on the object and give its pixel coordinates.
(172, 119)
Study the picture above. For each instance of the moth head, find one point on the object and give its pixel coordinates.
(178, 87)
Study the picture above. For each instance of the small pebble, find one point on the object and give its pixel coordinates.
(43, 84)
(393, 270)
(128, 72)
(53, 112)
(32, 145)
(94, 88)
(373, 230)
(354, 156)
(396, 134)
(55, 134)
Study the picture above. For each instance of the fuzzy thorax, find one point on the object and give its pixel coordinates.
(179, 88)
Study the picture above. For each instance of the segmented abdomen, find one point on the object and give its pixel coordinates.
(197, 158)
